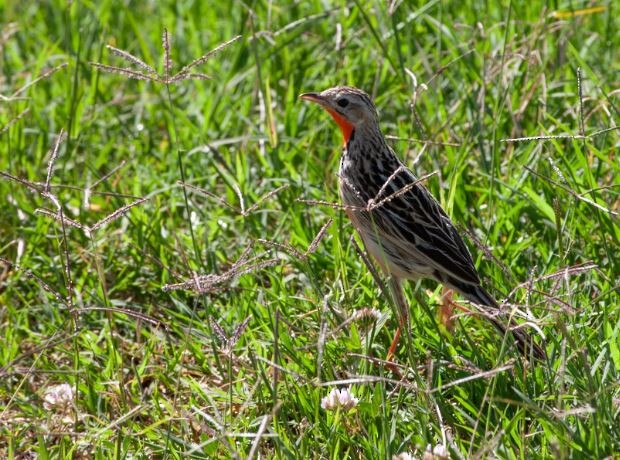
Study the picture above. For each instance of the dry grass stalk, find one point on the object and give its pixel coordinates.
(562, 136)
(59, 298)
(563, 273)
(421, 141)
(165, 43)
(205, 57)
(14, 120)
(46, 287)
(212, 282)
(263, 198)
(372, 204)
(148, 73)
(488, 254)
(50, 166)
(43, 76)
(116, 214)
(241, 210)
(88, 230)
(582, 133)
(132, 59)
(88, 191)
(295, 252)
(318, 238)
(45, 190)
(60, 217)
(125, 311)
(569, 190)
(34, 187)
(229, 342)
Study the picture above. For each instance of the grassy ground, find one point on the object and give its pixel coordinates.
(239, 370)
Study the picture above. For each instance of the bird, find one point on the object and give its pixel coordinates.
(401, 224)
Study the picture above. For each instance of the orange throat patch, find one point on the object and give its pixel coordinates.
(345, 126)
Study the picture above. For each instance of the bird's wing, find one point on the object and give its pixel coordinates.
(415, 221)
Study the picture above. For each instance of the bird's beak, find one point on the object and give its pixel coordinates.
(345, 125)
(313, 97)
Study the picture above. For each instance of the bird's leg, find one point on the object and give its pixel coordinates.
(396, 288)
(446, 309)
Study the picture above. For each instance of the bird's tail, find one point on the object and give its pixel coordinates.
(524, 341)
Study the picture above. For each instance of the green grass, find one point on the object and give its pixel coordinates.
(240, 370)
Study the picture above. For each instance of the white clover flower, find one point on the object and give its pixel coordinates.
(439, 452)
(342, 399)
(403, 456)
(58, 397)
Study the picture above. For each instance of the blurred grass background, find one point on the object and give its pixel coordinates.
(240, 371)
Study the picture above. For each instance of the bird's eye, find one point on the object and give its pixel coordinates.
(342, 102)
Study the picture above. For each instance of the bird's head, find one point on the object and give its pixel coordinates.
(352, 108)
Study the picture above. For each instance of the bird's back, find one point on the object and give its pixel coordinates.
(404, 226)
